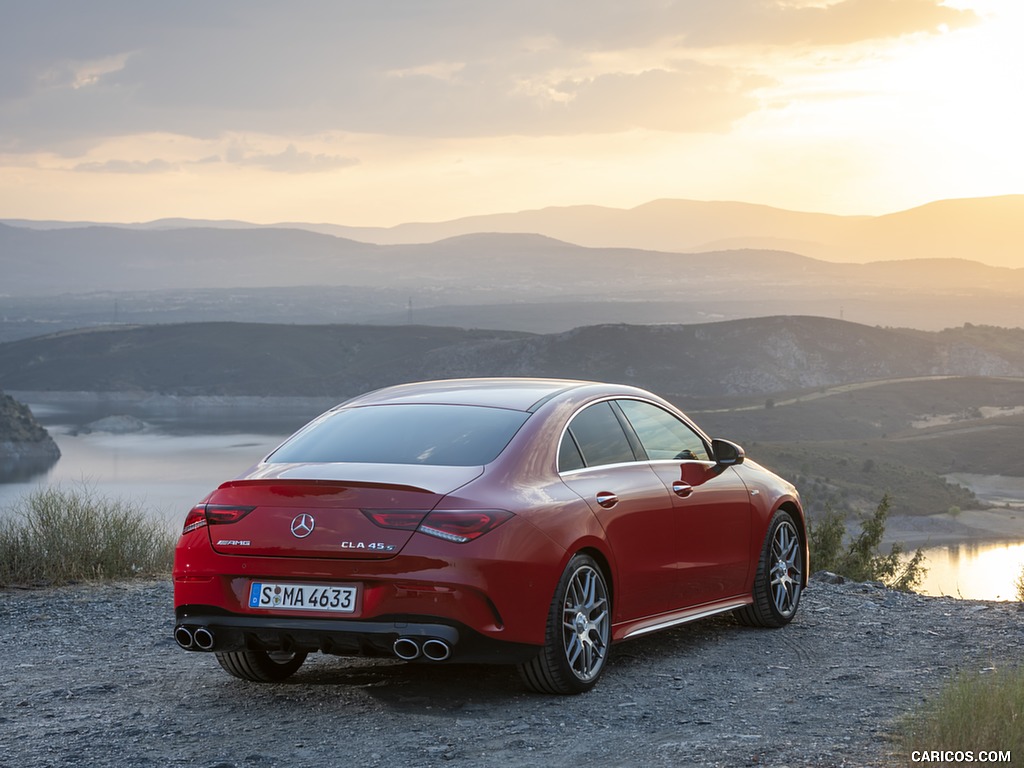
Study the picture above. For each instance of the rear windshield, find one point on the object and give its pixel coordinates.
(450, 435)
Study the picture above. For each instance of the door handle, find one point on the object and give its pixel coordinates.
(679, 488)
(607, 500)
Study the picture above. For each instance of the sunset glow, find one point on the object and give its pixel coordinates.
(375, 116)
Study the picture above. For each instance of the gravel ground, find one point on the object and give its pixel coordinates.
(93, 678)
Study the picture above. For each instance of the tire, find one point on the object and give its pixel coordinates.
(261, 666)
(779, 579)
(578, 635)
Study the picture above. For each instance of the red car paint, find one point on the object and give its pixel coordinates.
(676, 539)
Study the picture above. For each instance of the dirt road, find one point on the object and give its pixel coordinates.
(91, 677)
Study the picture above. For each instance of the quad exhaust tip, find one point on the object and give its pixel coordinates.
(183, 636)
(432, 649)
(406, 648)
(436, 650)
(198, 639)
(203, 638)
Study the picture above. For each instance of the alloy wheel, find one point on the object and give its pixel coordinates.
(585, 623)
(786, 569)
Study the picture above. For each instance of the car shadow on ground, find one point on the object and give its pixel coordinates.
(451, 687)
(400, 684)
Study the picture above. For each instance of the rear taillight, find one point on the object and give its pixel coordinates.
(218, 514)
(456, 525)
(402, 520)
(213, 514)
(196, 518)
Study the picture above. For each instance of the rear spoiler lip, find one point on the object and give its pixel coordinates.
(415, 478)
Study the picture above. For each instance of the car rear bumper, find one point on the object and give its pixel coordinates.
(410, 638)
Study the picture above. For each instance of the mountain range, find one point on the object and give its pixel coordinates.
(548, 271)
(989, 230)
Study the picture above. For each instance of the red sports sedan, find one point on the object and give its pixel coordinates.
(526, 521)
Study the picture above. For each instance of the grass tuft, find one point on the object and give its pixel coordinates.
(58, 536)
(975, 712)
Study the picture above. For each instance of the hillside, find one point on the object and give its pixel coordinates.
(846, 446)
(758, 357)
(23, 441)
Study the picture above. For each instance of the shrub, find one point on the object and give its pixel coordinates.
(975, 712)
(57, 536)
(861, 560)
(1019, 583)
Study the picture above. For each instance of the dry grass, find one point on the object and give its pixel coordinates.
(57, 536)
(976, 712)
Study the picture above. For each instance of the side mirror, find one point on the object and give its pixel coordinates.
(727, 454)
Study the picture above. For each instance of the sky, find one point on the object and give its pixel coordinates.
(377, 113)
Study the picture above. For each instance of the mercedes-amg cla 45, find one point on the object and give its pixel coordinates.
(535, 522)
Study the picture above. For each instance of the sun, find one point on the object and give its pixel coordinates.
(904, 121)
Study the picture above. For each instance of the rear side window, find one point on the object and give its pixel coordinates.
(569, 456)
(449, 435)
(662, 435)
(599, 438)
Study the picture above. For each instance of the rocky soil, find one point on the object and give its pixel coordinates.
(91, 677)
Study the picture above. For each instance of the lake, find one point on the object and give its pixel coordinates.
(183, 455)
(173, 463)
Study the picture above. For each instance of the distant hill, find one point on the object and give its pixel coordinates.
(532, 282)
(756, 358)
(989, 230)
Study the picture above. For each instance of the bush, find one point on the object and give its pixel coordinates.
(1019, 583)
(57, 536)
(861, 560)
(975, 712)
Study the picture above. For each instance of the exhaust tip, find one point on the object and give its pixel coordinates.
(436, 650)
(203, 639)
(183, 637)
(406, 648)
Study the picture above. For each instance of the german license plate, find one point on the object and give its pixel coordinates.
(329, 598)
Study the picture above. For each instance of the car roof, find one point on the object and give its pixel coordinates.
(521, 394)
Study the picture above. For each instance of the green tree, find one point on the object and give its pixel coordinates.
(861, 560)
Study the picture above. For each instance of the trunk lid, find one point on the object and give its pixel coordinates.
(317, 511)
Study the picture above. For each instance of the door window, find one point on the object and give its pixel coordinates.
(663, 435)
(598, 437)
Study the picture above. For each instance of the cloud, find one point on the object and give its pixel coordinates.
(291, 160)
(74, 74)
(127, 166)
